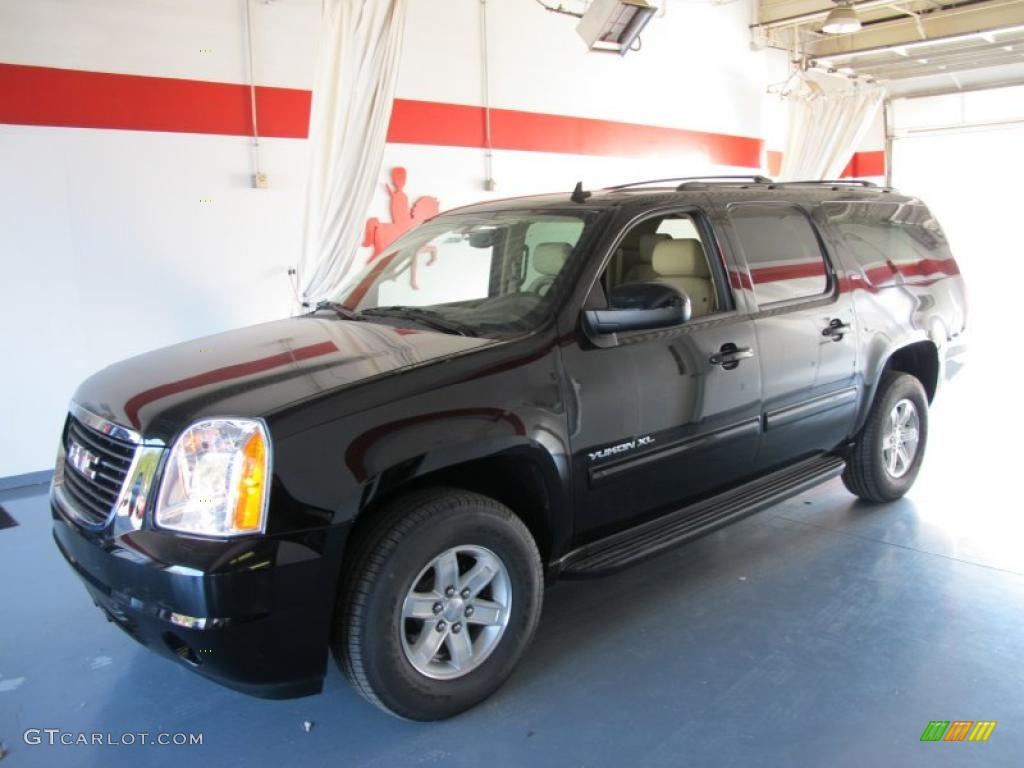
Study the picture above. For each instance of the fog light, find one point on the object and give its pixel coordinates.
(181, 649)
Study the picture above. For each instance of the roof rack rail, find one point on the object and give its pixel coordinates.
(831, 182)
(685, 179)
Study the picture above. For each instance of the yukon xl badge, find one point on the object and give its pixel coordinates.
(604, 453)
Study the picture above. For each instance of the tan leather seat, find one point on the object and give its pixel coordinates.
(683, 265)
(548, 259)
(642, 271)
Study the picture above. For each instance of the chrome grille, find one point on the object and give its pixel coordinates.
(94, 484)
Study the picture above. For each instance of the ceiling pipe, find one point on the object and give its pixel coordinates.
(485, 80)
(917, 21)
(887, 121)
(259, 178)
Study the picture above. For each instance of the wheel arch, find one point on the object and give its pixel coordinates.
(919, 358)
(523, 477)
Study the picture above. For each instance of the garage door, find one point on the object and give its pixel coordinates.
(962, 154)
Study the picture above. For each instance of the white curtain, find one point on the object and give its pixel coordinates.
(357, 64)
(825, 130)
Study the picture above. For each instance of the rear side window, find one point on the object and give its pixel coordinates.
(892, 243)
(782, 252)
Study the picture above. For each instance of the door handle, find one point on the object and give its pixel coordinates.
(730, 355)
(836, 329)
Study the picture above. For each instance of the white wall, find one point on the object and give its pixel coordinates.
(108, 251)
(695, 71)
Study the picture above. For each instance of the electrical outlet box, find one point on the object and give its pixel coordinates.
(260, 181)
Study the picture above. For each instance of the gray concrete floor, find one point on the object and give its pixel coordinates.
(821, 632)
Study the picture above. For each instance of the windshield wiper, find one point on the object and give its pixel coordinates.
(426, 317)
(340, 309)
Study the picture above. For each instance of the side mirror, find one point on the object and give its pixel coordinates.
(640, 307)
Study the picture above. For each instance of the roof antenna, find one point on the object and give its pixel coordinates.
(578, 194)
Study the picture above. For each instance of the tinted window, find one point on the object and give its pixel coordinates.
(782, 252)
(891, 242)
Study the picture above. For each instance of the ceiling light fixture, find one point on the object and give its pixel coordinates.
(841, 20)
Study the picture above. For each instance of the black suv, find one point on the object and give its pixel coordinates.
(542, 387)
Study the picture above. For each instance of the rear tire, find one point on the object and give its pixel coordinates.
(887, 454)
(395, 647)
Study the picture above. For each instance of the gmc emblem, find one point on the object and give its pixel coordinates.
(83, 460)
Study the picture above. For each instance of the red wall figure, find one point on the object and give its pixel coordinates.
(380, 234)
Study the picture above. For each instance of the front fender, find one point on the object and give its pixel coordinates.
(501, 403)
(516, 452)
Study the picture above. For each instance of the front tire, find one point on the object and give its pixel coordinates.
(441, 600)
(889, 450)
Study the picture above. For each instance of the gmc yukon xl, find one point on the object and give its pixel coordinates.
(514, 392)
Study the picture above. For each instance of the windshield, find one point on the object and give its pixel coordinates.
(484, 273)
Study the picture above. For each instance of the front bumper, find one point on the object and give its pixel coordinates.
(253, 615)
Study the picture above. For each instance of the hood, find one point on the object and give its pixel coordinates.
(256, 370)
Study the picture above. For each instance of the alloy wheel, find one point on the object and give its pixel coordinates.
(455, 612)
(901, 438)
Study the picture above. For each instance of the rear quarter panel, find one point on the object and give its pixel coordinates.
(902, 295)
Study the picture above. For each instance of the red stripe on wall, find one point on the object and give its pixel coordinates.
(80, 99)
(430, 122)
(861, 164)
(74, 98)
(424, 122)
(865, 164)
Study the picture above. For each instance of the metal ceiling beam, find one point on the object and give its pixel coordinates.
(972, 19)
(903, 70)
(961, 48)
(1009, 48)
(767, 19)
(946, 90)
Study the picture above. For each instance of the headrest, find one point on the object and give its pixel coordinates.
(549, 258)
(647, 242)
(680, 258)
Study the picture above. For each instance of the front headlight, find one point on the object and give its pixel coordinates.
(216, 479)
